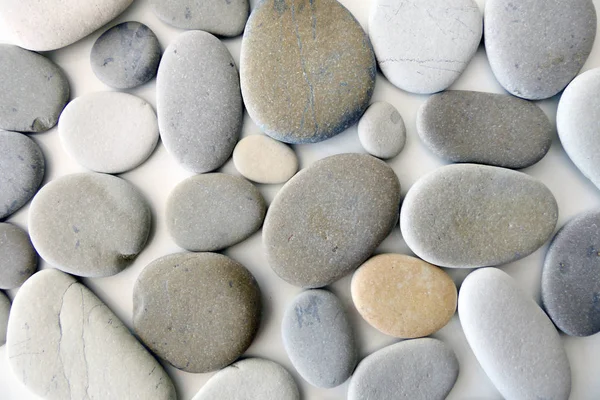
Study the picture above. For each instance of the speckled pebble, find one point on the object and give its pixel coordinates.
(381, 130)
(18, 259)
(264, 160)
(4, 313)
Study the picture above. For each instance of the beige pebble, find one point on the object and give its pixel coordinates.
(265, 160)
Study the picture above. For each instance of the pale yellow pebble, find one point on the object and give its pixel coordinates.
(264, 160)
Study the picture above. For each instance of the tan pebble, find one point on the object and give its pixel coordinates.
(264, 160)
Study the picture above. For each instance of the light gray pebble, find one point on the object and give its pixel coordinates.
(4, 313)
(18, 259)
(381, 130)
(265, 160)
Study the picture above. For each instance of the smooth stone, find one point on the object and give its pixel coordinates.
(250, 379)
(214, 211)
(484, 128)
(530, 60)
(199, 103)
(307, 69)
(89, 224)
(65, 343)
(49, 25)
(4, 313)
(419, 369)
(329, 218)
(33, 90)
(18, 259)
(512, 338)
(318, 338)
(381, 130)
(469, 216)
(22, 167)
(264, 160)
(197, 311)
(424, 49)
(126, 55)
(109, 132)
(403, 296)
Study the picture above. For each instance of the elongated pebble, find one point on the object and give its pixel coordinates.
(4, 314)
(264, 160)
(18, 259)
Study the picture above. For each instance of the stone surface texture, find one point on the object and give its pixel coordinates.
(18, 259)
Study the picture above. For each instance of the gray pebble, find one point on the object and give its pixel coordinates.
(18, 259)
(381, 130)
(4, 313)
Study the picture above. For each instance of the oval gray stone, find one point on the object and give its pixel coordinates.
(513, 340)
(199, 104)
(89, 224)
(264, 160)
(419, 369)
(65, 343)
(329, 218)
(318, 338)
(18, 259)
(4, 313)
(33, 90)
(381, 130)
(214, 211)
(530, 60)
(484, 128)
(469, 216)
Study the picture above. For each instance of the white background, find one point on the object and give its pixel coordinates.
(157, 177)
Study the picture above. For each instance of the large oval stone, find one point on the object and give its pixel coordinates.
(307, 69)
(468, 216)
(329, 218)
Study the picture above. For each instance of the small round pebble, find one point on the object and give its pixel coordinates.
(4, 312)
(126, 55)
(381, 130)
(403, 296)
(18, 259)
(197, 311)
(264, 160)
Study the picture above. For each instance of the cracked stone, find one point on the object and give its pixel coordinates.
(18, 259)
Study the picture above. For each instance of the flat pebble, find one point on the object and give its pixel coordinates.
(484, 128)
(33, 90)
(126, 55)
(250, 379)
(89, 224)
(22, 169)
(403, 296)
(329, 218)
(381, 130)
(65, 343)
(419, 369)
(513, 340)
(469, 216)
(199, 103)
(18, 259)
(318, 338)
(307, 69)
(424, 49)
(4, 313)
(530, 60)
(214, 211)
(197, 311)
(109, 132)
(264, 160)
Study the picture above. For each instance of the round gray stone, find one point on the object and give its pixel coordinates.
(18, 259)
(214, 211)
(197, 311)
(89, 224)
(529, 59)
(33, 90)
(4, 313)
(381, 130)
(318, 338)
(469, 216)
(126, 55)
(484, 128)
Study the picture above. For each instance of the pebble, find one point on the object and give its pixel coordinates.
(424, 49)
(318, 338)
(109, 132)
(307, 69)
(126, 55)
(197, 311)
(381, 130)
(484, 128)
(250, 379)
(18, 259)
(419, 369)
(329, 218)
(4, 312)
(512, 338)
(530, 60)
(89, 224)
(469, 216)
(33, 91)
(199, 103)
(214, 211)
(22, 169)
(264, 160)
(65, 343)
(403, 296)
